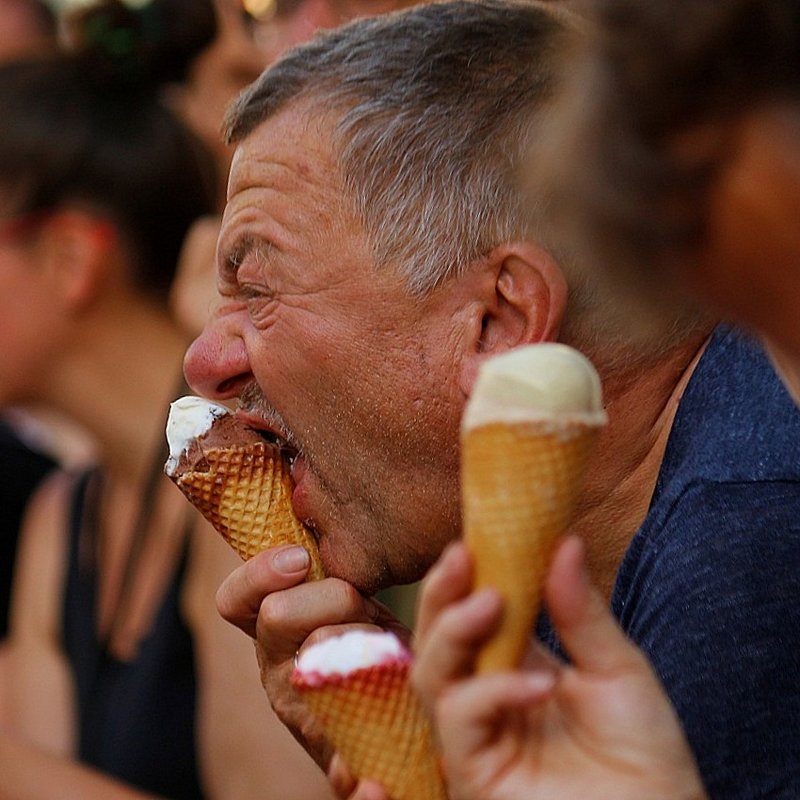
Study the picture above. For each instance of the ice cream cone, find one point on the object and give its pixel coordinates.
(522, 472)
(245, 493)
(243, 489)
(375, 722)
(520, 483)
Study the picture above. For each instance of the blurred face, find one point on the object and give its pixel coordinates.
(335, 358)
(749, 265)
(29, 316)
(233, 60)
(22, 32)
(244, 46)
(295, 21)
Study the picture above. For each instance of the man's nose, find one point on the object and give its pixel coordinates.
(216, 364)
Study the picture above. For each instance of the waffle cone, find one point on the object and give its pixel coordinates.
(245, 492)
(375, 722)
(520, 482)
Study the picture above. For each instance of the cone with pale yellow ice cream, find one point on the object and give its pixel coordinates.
(526, 437)
(357, 686)
(237, 480)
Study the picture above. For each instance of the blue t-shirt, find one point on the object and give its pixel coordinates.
(710, 586)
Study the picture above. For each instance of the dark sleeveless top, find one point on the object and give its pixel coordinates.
(21, 470)
(136, 719)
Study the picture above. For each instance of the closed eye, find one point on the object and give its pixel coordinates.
(232, 262)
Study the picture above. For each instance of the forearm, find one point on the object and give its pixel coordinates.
(31, 774)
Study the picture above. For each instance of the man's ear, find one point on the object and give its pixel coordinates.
(76, 247)
(524, 297)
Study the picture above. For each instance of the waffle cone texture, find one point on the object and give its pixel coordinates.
(520, 483)
(375, 722)
(245, 493)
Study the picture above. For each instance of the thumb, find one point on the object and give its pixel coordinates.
(581, 617)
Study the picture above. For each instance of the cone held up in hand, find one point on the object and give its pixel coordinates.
(526, 437)
(357, 686)
(238, 481)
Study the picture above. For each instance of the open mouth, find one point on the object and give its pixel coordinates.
(288, 451)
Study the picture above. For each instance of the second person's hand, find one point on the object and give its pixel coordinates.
(599, 727)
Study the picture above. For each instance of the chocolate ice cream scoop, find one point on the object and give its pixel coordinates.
(237, 480)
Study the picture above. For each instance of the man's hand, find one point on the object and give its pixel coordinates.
(600, 727)
(266, 598)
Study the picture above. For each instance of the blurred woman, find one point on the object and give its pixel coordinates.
(124, 680)
(27, 27)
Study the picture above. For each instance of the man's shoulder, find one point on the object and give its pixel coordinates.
(735, 422)
(716, 549)
(711, 598)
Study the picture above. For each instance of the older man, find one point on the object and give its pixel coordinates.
(376, 249)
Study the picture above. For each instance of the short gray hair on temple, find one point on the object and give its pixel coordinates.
(434, 108)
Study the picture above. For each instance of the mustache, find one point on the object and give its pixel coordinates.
(253, 401)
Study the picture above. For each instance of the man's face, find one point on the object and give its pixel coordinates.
(335, 357)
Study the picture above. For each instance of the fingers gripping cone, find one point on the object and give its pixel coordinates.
(238, 481)
(370, 713)
(527, 434)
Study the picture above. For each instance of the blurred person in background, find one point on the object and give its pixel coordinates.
(287, 23)
(231, 60)
(700, 134)
(27, 27)
(22, 467)
(123, 681)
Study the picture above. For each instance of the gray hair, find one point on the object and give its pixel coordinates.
(434, 105)
(436, 111)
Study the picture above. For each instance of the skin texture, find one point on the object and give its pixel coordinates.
(236, 57)
(290, 303)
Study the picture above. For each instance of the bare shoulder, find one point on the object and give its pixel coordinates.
(211, 560)
(244, 747)
(42, 555)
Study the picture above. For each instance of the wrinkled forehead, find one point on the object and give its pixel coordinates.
(296, 141)
(299, 137)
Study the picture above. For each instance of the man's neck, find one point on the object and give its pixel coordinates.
(623, 471)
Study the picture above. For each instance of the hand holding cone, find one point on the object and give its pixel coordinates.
(238, 481)
(527, 435)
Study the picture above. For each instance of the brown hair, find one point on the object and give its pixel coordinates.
(87, 126)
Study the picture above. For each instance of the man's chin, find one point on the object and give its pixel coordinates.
(360, 571)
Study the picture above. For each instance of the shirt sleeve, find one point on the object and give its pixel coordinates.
(715, 604)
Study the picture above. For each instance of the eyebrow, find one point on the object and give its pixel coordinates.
(234, 256)
(247, 245)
